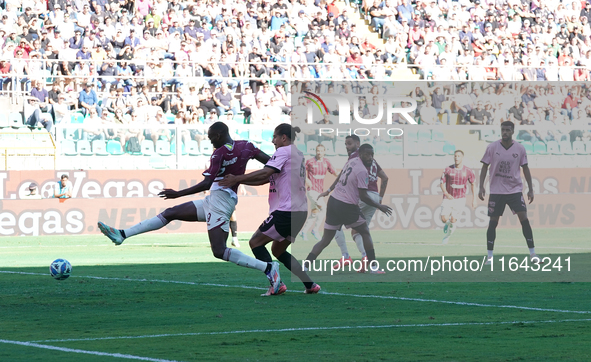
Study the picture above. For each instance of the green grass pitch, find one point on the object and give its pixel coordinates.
(165, 298)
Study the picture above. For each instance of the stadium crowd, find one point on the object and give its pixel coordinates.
(193, 62)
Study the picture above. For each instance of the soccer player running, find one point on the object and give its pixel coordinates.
(316, 169)
(343, 204)
(505, 157)
(216, 209)
(453, 184)
(288, 208)
(374, 171)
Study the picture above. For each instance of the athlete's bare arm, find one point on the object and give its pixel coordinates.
(483, 172)
(474, 202)
(363, 196)
(527, 174)
(200, 187)
(384, 184)
(256, 178)
(445, 193)
(262, 157)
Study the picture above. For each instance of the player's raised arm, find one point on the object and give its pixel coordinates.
(334, 184)
(527, 174)
(483, 172)
(256, 178)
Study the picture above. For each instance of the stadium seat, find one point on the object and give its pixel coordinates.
(311, 146)
(579, 147)
(173, 148)
(69, 148)
(438, 148)
(382, 148)
(239, 118)
(426, 148)
(540, 148)
(114, 148)
(193, 148)
(396, 148)
(411, 135)
(147, 147)
(552, 148)
(206, 148)
(424, 135)
(255, 135)
(412, 148)
(77, 118)
(83, 148)
(566, 148)
(163, 148)
(438, 135)
(267, 135)
(268, 148)
(243, 134)
(99, 147)
(488, 135)
(449, 148)
(157, 162)
(15, 119)
(329, 146)
(529, 147)
(3, 120)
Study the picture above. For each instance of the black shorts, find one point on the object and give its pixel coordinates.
(282, 225)
(339, 213)
(497, 202)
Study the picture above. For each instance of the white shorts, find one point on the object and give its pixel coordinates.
(453, 207)
(367, 210)
(216, 209)
(315, 203)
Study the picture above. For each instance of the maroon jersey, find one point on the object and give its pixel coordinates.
(456, 180)
(317, 170)
(372, 170)
(230, 159)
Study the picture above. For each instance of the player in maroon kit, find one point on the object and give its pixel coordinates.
(229, 157)
(316, 169)
(453, 184)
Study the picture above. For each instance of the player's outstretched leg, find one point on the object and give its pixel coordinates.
(183, 212)
(234, 230)
(491, 235)
(342, 243)
(449, 229)
(279, 249)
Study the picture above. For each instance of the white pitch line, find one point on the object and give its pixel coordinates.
(82, 351)
(304, 329)
(326, 293)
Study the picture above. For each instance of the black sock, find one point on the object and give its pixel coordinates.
(122, 233)
(371, 255)
(311, 257)
(491, 234)
(289, 261)
(528, 233)
(234, 228)
(261, 253)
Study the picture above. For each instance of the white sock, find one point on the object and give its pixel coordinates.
(532, 251)
(235, 239)
(490, 253)
(310, 223)
(239, 258)
(145, 226)
(359, 242)
(340, 238)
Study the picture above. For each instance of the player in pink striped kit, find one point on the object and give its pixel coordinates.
(454, 180)
(316, 169)
(506, 158)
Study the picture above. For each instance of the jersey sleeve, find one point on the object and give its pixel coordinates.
(330, 168)
(362, 178)
(471, 176)
(254, 150)
(215, 163)
(279, 158)
(487, 158)
(444, 175)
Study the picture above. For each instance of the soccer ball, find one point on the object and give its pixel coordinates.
(60, 269)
